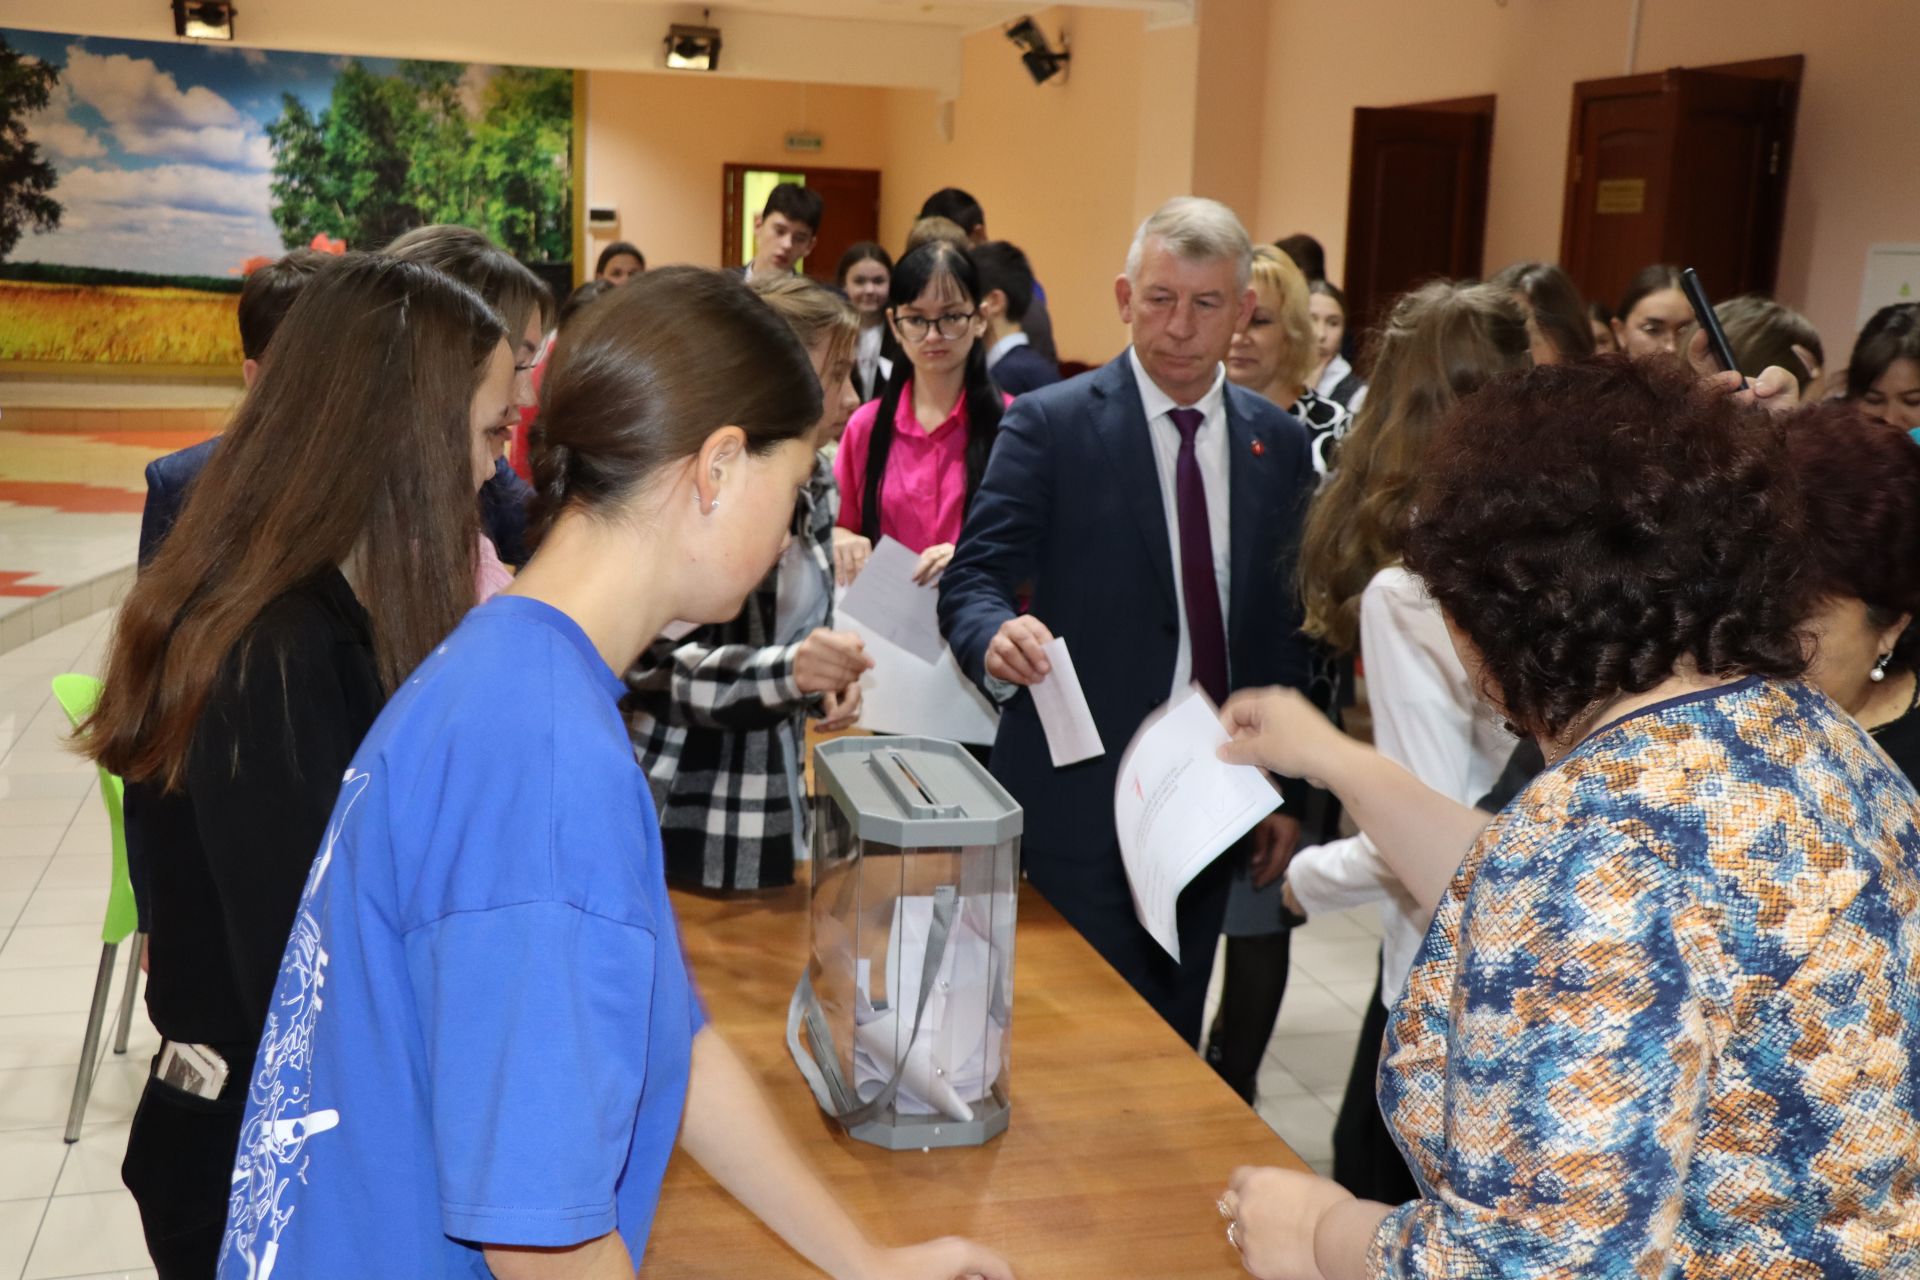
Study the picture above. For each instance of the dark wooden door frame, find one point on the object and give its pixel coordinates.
(1787, 71)
(1363, 309)
(732, 184)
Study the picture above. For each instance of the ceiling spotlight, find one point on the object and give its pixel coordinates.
(1042, 60)
(693, 48)
(203, 19)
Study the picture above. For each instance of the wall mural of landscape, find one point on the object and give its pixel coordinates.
(141, 180)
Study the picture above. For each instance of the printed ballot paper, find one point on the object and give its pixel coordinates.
(1072, 735)
(1178, 806)
(889, 602)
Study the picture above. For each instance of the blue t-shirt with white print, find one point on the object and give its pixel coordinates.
(483, 1025)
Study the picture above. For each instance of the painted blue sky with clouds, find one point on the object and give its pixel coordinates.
(161, 149)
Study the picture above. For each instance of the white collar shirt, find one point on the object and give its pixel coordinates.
(998, 350)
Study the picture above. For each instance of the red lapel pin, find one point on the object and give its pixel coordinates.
(1259, 449)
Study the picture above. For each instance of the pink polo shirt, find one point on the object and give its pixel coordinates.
(923, 495)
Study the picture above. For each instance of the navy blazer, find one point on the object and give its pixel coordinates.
(1024, 369)
(504, 502)
(1071, 504)
(168, 480)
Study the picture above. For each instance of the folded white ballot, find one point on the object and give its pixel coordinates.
(955, 1059)
(1071, 733)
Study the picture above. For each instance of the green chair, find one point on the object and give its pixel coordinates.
(77, 696)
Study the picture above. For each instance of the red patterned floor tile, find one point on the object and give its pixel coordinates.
(14, 584)
(168, 440)
(83, 498)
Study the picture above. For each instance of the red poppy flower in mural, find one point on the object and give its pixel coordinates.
(321, 244)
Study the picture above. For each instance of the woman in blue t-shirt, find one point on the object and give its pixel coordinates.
(484, 1042)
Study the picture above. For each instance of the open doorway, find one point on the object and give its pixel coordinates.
(1416, 200)
(851, 199)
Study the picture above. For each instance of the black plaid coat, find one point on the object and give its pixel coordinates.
(705, 713)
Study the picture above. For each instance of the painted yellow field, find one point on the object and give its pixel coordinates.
(116, 325)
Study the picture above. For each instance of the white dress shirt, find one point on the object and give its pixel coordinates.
(1427, 717)
(998, 350)
(1211, 452)
(1337, 368)
(867, 357)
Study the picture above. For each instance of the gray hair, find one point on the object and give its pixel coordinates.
(1197, 230)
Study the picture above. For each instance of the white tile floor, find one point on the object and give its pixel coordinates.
(63, 1212)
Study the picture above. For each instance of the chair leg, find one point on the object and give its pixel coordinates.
(134, 954)
(90, 1048)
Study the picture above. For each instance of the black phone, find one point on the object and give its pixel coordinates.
(1703, 312)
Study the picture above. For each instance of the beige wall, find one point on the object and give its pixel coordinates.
(1053, 165)
(656, 145)
(1853, 182)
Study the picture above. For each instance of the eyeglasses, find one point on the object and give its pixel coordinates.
(952, 325)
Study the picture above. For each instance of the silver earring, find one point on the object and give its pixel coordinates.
(713, 506)
(1879, 671)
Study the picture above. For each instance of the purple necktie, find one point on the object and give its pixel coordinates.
(1206, 634)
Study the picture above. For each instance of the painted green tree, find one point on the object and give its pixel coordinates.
(390, 153)
(26, 85)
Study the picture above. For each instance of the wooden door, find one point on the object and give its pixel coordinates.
(1417, 200)
(851, 214)
(1688, 167)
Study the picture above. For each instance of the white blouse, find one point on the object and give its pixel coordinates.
(1426, 717)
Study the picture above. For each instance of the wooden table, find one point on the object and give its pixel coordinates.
(1121, 1137)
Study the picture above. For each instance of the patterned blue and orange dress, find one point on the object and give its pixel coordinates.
(1667, 1019)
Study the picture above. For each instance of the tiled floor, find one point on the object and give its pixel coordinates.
(69, 516)
(63, 1212)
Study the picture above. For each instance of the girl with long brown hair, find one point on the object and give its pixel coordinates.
(324, 551)
(1439, 343)
(485, 976)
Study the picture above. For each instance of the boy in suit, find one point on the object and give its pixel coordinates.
(784, 231)
(964, 211)
(1006, 281)
(1152, 509)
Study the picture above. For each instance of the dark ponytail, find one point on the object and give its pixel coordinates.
(932, 261)
(642, 377)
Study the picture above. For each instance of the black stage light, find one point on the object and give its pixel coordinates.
(1042, 60)
(203, 19)
(693, 48)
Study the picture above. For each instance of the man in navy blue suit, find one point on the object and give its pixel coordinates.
(1153, 510)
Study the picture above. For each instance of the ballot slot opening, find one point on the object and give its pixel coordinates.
(909, 791)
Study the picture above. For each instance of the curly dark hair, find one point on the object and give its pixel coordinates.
(1861, 481)
(1592, 526)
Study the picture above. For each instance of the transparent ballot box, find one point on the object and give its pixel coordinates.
(902, 1023)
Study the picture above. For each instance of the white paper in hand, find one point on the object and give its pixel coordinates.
(1072, 735)
(902, 694)
(888, 602)
(1178, 806)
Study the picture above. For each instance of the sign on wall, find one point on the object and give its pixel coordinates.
(1892, 275)
(154, 175)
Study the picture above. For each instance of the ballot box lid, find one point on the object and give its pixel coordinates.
(915, 793)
